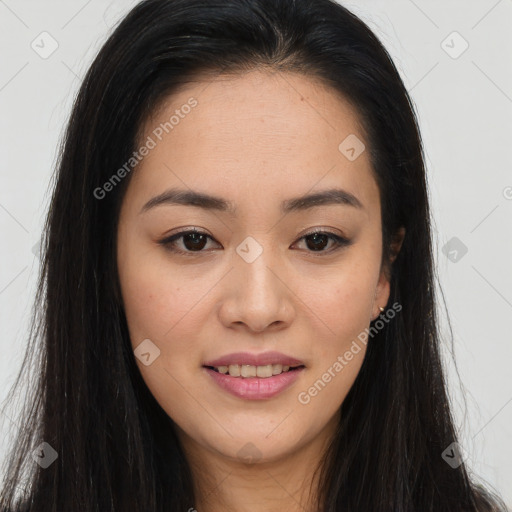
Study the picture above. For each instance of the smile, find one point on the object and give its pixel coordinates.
(249, 370)
(249, 386)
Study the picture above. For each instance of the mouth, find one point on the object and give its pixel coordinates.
(254, 382)
(246, 371)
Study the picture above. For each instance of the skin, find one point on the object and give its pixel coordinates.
(255, 139)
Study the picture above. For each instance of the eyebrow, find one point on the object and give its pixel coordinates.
(335, 196)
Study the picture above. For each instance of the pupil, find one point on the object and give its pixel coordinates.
(315, 237)
(197, 241)
(192, 237)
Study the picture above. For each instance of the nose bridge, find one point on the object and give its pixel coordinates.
(252, 264)
(258, 296)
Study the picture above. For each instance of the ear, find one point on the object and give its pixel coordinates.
(383, 288)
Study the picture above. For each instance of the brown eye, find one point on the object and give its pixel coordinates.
(193, 241)
(318, 240)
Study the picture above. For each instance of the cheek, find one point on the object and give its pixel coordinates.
(340, 305)
(156, 295)
(342, 309)
(158, 302)
(166, 306)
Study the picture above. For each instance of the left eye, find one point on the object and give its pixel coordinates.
(319, 239)
(194, 241)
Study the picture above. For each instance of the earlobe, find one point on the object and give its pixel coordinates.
(381, 295)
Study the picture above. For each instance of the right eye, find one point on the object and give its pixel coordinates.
(193, 241)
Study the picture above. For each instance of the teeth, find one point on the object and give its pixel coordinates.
(247, 370)
(277, 369)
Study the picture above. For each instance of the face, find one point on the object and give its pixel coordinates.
(254, 278)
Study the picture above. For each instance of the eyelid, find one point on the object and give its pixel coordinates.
(169, 239)
(340, 241)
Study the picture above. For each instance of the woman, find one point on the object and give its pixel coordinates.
(238, 286)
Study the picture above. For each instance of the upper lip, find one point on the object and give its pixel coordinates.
(262, 359)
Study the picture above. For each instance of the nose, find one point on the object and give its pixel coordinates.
(257, 296)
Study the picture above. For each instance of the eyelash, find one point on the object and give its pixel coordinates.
(169, 241)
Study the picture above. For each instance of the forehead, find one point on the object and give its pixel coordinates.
(260, 134)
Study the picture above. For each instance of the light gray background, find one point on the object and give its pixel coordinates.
(464, 106)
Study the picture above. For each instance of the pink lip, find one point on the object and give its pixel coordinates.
(254, 359)
(254, 388)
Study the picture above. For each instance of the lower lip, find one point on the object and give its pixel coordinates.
(255, 388)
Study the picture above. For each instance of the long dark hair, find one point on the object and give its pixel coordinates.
(117, 448)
